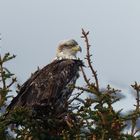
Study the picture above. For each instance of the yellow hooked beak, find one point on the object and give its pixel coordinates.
(77, 48)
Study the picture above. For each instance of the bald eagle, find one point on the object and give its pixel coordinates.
(50, 87)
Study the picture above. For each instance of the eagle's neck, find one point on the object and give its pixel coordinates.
(63, 55)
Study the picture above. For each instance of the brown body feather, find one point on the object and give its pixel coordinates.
(49, 86)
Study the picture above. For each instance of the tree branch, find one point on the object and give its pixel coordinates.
(88, 57)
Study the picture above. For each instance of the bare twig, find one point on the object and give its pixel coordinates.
(87, 90)
(12, 82)
(85, 77)
(78, 94)
(83, 89)
(88, 57)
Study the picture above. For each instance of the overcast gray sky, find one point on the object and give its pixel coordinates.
(31, 29)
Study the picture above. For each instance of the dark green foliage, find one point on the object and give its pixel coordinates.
(93, 119)
(7, 79)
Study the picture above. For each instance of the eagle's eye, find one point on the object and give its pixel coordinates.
(66, 45)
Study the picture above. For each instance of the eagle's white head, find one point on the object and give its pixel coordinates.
(67, 49)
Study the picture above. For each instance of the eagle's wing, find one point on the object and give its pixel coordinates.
(47, 85)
